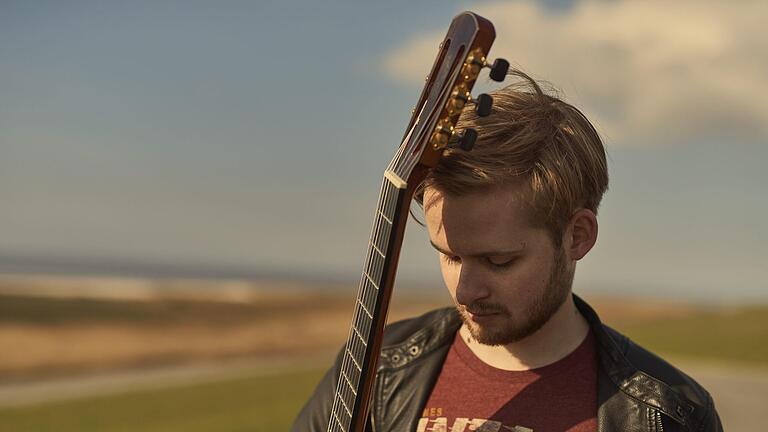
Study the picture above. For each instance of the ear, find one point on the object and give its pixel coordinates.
(581, 234)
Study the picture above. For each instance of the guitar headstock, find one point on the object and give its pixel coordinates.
(461, 57)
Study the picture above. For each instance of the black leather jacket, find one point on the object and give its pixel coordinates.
(637, 391)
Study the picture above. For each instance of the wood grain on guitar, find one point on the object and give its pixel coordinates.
(461, 56)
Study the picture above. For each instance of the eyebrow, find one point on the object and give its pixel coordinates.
(482, 254)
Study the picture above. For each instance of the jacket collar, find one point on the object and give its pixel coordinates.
(436, 335)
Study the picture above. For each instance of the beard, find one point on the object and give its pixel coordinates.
(515, 328)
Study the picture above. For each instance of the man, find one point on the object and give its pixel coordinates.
(519, 352)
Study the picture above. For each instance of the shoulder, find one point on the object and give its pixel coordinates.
(658, 369)
(643, 376)
(658, 383)
(633, 367)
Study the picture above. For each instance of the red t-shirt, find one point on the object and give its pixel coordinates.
(472, 396)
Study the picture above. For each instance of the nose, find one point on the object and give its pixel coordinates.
(471, 286)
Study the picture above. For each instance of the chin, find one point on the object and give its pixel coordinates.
(502, 333)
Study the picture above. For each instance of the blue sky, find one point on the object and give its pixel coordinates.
(252, 135)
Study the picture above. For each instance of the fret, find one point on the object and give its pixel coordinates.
(382, 241)
(385, 217)
(362, 323)
(378, 251)
(369, 297)
(391, 203)
(375, 265)
(375, 268)
(349, 383)
(346, 408)
(350, 369)
(367, 276)
(354, 343)
(341, 425)
(370, 281)
(344, 398)
(352, 357)
(389, 207)
(359, 337)
(371, 256)
(365, 309)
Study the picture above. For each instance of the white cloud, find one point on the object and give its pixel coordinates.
(644, 72)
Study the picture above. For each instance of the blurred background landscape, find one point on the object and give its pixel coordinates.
(187, 187)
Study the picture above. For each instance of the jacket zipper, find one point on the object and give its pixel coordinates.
(654, 420)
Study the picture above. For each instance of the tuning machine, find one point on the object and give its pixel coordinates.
(460, 97)
(464, 140)
(476, 61)
(446, 136)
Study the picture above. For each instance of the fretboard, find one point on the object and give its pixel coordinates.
(363, 344)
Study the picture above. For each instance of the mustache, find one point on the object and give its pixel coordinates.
(482, 308)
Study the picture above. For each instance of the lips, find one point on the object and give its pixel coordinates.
(481, 318)
(482, 314)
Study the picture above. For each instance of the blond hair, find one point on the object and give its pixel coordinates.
(534, 139)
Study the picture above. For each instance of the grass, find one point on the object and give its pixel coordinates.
(736, 336)
(262, 403)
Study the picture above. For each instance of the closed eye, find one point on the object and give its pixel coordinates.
(451, 259)
(500, 263)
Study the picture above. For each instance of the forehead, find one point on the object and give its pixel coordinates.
(465, 224)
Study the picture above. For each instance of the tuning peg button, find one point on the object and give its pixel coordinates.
(483, 104)
(499, 69)
(464, 140)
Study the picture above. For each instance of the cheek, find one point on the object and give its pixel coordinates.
(451, 275)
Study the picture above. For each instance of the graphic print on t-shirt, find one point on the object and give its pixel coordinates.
(470, 395)
(461, 424)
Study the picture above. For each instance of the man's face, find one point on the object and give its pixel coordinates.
(505, 276)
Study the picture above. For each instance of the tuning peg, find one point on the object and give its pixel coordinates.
(459, 97)
(499, 69)
(483, 104)
(464, 140)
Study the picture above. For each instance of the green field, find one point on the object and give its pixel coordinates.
(737, 336)
(265, 403)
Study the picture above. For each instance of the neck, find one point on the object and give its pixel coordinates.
(560, 336)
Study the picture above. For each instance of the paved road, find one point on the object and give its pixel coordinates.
(741, 395)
